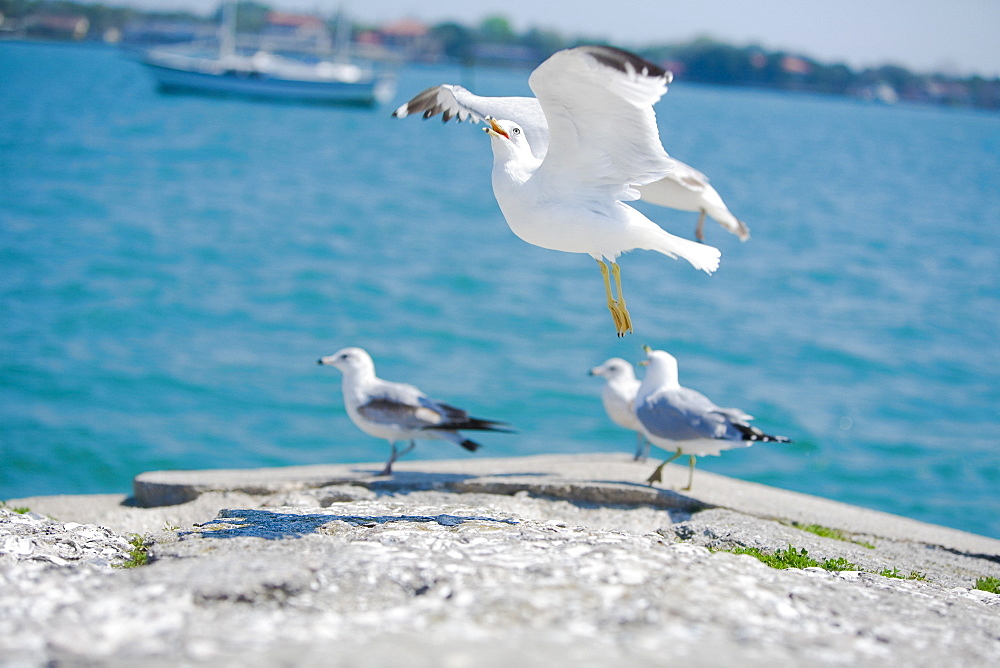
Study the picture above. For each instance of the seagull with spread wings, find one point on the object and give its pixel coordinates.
(684, 188)
(399, 412)
(687, 422)
(602, 143)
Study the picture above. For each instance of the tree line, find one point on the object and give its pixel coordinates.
(494, 41)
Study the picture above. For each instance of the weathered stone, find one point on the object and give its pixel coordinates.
(446, 579)
(31, 537)
(599, 478)
(553, 570)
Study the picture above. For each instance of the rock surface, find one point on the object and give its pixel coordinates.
(370, 571)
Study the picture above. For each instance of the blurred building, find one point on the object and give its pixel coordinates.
(47, 26)
(303, 33)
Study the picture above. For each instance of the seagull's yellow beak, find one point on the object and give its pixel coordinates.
(494, 129)
(647, 350)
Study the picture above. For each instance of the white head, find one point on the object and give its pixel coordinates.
(507, 139)
(661, 369)
(614, 369)
(350, 361)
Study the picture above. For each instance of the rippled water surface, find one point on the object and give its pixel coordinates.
(171, 267)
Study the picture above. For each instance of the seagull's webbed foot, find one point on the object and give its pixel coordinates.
(699, 230)
(620, 314)
(612, 304)
(627, 319)
(657, 475)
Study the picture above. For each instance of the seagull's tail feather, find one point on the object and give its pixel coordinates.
(449, 432)
(750, 433)
(701, 256)
(471, 446)
(456, 438)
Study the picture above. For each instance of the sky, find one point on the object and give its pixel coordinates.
(959, 37)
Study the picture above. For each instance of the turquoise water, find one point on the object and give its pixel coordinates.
(171, 268)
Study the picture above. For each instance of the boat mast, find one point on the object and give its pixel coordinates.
(342, 41)
(227, 31)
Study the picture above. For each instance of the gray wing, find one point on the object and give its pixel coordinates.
(404, 410)
(453, 101)
(408, 408)
(684, 414)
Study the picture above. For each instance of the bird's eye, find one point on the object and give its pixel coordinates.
(516, 131)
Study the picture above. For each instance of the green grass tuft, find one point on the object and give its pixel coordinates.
(792, 558)
(989, 584)
(20, 510)
(840, 564)
(788, 558)
(827, 532)
(139, 554)
(894, 573)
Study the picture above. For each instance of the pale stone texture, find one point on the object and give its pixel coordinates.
(381, 574)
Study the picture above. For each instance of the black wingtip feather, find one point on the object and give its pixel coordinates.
(756, 435)
(474, 424)
(471, 446)
(618, 58)
(457, 419)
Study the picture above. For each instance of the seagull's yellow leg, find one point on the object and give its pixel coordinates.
(657, 474)
(626, 318)
(612, 304)
(691, 460)
(699, 230)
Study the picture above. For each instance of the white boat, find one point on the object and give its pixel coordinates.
(268, 76)
(265, 75)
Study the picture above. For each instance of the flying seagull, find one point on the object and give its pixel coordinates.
(603, 141)
(618, 397)
(687, 422)
(399, 412)
(684, 188)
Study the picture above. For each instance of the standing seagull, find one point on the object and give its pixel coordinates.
(684, 188)
(686, 421)
(618, 397)
(398, 412)
(603, 141)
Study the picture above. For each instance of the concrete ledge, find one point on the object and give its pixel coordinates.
(545, 560)
(612, 478)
